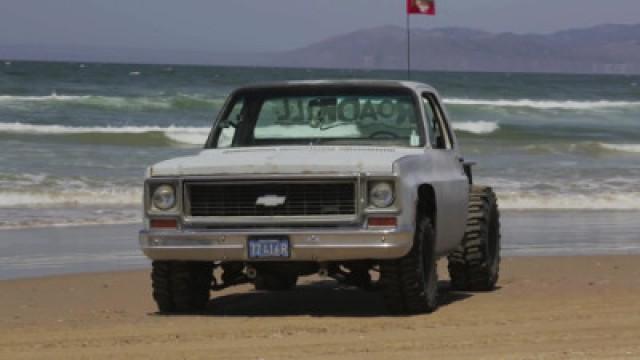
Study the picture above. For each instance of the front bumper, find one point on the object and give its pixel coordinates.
(306, 244)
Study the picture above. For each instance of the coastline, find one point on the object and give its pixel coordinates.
(545, 307)
(36, 252)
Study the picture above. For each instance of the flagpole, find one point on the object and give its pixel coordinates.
(408, 46)
(423, 7)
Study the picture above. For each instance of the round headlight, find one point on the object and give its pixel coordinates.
(164, 197)
(381, 194)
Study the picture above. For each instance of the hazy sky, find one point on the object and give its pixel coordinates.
(216, 25)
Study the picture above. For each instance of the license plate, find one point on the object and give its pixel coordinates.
(268, 248)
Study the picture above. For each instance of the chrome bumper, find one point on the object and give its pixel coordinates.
(306, 244)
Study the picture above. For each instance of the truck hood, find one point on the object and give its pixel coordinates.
(285, 160)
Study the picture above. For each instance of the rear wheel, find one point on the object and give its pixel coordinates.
(181, 287)
(475, 265)
(410, 284)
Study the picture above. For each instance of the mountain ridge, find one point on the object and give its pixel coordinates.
(599, 49)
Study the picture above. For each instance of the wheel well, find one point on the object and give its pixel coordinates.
(427, 203)
(469, 171)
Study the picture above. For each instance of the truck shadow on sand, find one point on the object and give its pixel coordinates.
(320, 298)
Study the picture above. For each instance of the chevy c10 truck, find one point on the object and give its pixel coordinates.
(359, 180)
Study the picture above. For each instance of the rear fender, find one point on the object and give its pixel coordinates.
(437, 173)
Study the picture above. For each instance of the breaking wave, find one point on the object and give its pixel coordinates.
(38, 222)
(476, 127)
(180, 102)
(631, 148)
(184, 135)
(587, 147)
(601, 201)
(132, 199)
(183, 101)
(545, 104)
(46, 199)
(197, 136)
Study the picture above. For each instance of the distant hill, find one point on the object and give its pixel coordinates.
(601, 49)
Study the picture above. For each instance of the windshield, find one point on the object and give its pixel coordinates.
(381, 119)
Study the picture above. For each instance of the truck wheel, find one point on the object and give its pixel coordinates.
(275, 281)
(410, 284)
(181, 287)
(475, 265)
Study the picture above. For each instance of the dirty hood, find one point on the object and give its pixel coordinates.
(285, 160)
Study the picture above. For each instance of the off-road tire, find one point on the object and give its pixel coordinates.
(275, 281)
(181, 287)
(410, 284)
(475, 265)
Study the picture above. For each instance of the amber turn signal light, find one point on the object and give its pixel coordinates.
(383, 221)
(163, 223)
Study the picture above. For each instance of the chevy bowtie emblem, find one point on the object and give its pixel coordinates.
(271, 200)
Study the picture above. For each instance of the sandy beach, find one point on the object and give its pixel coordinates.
(545, 308)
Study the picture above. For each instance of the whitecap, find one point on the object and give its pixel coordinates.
(191, 136)
(476, 127)
(632, 148)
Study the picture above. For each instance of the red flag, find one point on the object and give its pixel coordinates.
(424, 7)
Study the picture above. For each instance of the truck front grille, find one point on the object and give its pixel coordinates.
(270, 198)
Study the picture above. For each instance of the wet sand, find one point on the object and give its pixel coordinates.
(48, 251)
(546, 308)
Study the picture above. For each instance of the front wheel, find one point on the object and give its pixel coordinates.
(181, 287)
(410, 284)
(475, 265)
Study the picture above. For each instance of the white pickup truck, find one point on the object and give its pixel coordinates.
(359, 180)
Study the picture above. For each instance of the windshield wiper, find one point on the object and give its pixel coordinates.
(333, 125)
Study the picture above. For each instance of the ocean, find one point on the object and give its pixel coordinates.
(75, 138)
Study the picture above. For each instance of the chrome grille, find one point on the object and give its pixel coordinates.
(239, 199)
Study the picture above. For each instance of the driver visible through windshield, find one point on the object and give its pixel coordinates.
(293, 119)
